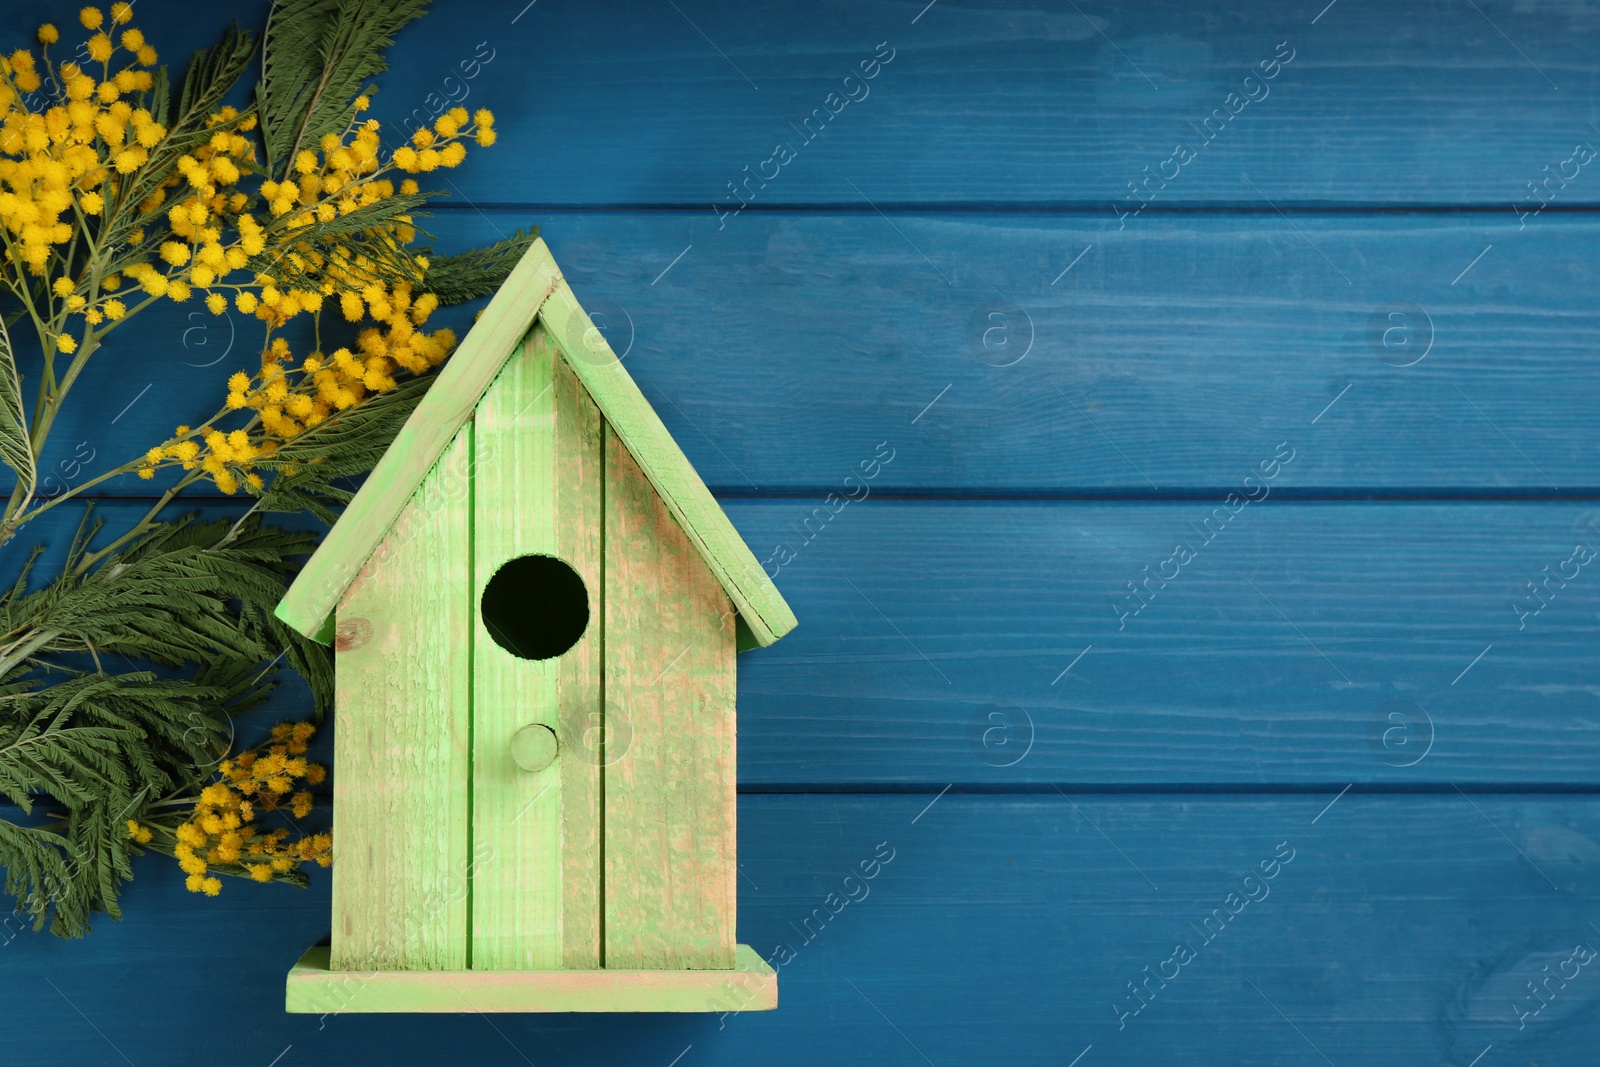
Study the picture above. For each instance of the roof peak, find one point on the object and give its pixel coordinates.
(535, 291)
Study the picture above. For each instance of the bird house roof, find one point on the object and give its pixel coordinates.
(534, 291)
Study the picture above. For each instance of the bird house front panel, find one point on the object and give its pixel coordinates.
(536, 685)
(670, 803)
(537, 483)
(402, 772)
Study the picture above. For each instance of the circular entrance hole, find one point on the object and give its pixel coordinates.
(535, 607)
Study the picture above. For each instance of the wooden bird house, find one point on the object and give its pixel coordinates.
(535, 606)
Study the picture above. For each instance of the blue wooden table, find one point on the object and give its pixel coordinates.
(1206, 666)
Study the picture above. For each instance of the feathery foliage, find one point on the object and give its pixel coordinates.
(477, 272)
(122, 674)
(212, 73)
(15, 450)
(103, 748)
(320, 54)
(312, 466)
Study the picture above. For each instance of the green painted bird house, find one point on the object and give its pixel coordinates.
(535, 606)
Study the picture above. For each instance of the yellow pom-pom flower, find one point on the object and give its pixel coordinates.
(91, 18)
(129, 160)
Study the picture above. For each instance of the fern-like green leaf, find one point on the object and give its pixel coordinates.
(211, 74)
(94, 751)
(318, 55)
(15, 449)
(40, 867)
(346, 445)
(361, 234)
(477, 272)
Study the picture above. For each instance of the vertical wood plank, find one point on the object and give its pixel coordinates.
(536, 490)
(630, 416)
(450, 401)
(669, 778)
(401, 764)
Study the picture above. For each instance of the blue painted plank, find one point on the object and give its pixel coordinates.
(1422, 103)
(946, 642)
(1394, 930)
(1171, 358)
(1292, 644)
(1310, 646)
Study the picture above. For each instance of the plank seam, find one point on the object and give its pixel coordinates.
(1095, 209)
(472, 633)
(1175, 789)
(1108, 494)
(605, 714)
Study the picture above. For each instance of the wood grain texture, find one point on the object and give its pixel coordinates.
(629, 415)
(419, 444)
(449, 403)
(1402, 932)
(1207, 686)
(670, 817)
(751, 985)
(536, 491)
(1431, 102)
(1180, 350)
(401, 886)
(781, 346)
(940, 635)
(1165, 361)
(1428, 102)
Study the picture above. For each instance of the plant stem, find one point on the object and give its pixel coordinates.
(139, 528)
(74, 491)
(23, 647)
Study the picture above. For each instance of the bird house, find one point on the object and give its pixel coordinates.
(535, 606)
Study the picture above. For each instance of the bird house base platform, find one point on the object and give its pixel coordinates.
(314, 989)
